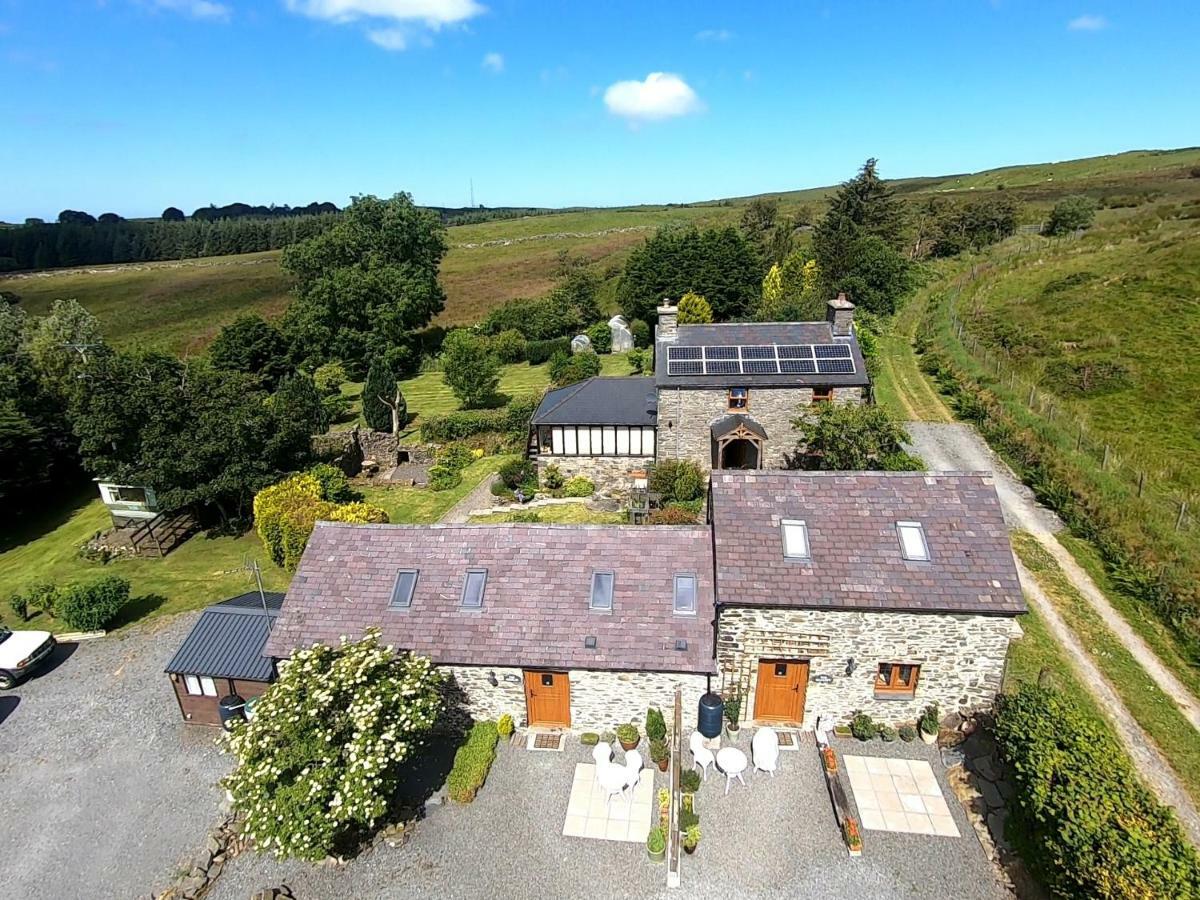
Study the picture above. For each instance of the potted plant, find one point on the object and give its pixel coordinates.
(907, 733)
(656, 725)
(829, 759)
(733, 710)
(888, 733)
(660, 755)
(862, 727)
(691, 838)
(628, 735)
(929, 723)
(689, 781)
(852, 836)
(664, 807)
(656, 845)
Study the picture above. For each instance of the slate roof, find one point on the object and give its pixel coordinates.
(758, 333)
(855, 553)
(535, 605)
(600, 401)
(227, 640)
(729, 423)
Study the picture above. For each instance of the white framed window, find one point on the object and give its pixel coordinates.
(570, 447)
(610, 441)
(912, 541)
(685, 595)
(647, 441)
(597, 440)
(622, 440)
(585, 442)
(602, 591)
(200, 686)
(556, 441)
(635, 442)
(473, 585)
(402, 590)
(795, 539)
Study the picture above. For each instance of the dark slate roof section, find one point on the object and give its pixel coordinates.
(723, 426)
(600, 401)
(227, 640)
(535, 606)
(856, 561)
(758, 333)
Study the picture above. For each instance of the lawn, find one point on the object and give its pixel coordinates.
(200, 572)
(561, 514)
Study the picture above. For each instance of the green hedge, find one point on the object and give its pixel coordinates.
(1082, 819)
(511, 420)
(91, 606)
(538, 352)
(472, 762)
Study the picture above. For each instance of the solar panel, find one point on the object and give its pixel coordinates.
(835, 366)
(798, 367)
(720, 352)
(832, 351)
(795, 351)
(722, 367)
(683, 353)
(685, 367)
(758, 353)
(760, 367)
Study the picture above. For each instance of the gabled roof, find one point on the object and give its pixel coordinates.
(733, 422)
(758, 334)
(227, 640)
(600, 401)
(856, 561)
(535, 604)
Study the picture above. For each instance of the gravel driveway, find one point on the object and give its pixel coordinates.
(103, 790)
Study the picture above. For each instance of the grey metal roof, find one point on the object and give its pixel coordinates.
(627, 400)
(723, 426)
(227, 641)
(750, 333)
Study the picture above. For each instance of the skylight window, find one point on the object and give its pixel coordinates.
(602, 591)
(685, 594)
(473, 585)
(402, 590)
(912, 541)
(795, 539)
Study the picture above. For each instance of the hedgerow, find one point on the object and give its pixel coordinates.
(511, 420)
(91, 606)
(472, 762)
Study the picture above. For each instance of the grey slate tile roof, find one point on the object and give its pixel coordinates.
(227, 640)
(535, 605)
(758, 333)
(856, 561)
(600, 401)
(729, 423)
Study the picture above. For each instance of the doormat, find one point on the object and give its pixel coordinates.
(546, 740)
(788, 740)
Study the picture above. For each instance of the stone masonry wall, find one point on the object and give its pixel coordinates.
(610, 473)
(599, 700)
(961, 658)
(686, 416)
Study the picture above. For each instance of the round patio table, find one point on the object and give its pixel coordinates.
(732, 762)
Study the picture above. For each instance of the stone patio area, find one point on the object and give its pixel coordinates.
(591, 815)
(899, 795)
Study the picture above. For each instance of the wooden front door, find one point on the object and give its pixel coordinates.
(548, 698)
(779, 692)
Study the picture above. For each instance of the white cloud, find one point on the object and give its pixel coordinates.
(393, 22)
(661, 96)
(1087, 23)
(714, 34)
(493, 62)
(197, 9)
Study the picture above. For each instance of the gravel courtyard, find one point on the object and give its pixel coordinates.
(103, 790)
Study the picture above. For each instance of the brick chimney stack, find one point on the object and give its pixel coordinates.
(839, 315)
(667, 328)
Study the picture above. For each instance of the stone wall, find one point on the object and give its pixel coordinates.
(599, 700)
(961, 658)
(610, 473)
(686, 416)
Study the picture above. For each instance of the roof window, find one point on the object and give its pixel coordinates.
(473, 585)
(912, 541)
(685, 594)
(602, 591)
(795, 539)
(402, 590)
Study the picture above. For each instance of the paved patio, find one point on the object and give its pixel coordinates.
(899, 795)
(591, 815)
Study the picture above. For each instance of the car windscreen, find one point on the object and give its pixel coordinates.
(4, 633)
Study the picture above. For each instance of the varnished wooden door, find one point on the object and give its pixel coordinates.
(548, 698)
(779, 692)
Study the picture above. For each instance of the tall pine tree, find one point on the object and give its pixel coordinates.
(379, 394)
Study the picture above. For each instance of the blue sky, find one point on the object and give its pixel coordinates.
(133, 105)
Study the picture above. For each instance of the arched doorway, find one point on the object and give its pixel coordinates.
(740, 453)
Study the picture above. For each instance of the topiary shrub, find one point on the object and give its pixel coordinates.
(90, 607)
(589, 739)
(642, 335)
(689, 781)
(579, 486)
(552, 478)
(504, 726)
(656, 725)
(472, 762)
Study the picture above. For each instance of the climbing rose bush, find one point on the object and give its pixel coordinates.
(323, 755)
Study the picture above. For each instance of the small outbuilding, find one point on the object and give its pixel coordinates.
(223, 655)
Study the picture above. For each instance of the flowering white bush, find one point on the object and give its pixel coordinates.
(320, 760)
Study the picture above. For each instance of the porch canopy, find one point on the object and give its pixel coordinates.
(738, 442)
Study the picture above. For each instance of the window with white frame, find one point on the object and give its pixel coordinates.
(685, 595)
(602, 591)
(597, 440)
(912, 541)
(473, 585)
(795, 539)
(200, 686)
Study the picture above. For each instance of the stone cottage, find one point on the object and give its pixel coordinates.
(809, 594)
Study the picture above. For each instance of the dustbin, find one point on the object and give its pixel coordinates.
(232, 709)
(712, 708)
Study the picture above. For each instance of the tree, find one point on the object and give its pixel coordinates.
(851, 437)
(75, 217)
(759, 222)
(601, 337)
(470, 368)
(792, 292)
(110, 218)
(299, 411)
(694, 310)
(1071, 214)
(173, 214)
(252, 345)
(321, 761)
(383, 404)
(365, 286)
(60, 342)
(569, 368)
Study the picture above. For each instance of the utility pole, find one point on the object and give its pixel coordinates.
(251, 567)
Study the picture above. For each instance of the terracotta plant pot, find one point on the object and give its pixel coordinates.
(690, 850)
(630, 746)
(663, 763)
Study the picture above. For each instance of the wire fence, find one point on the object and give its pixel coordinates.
(1153, 480)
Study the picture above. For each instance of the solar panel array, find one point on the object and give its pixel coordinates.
(761, 359)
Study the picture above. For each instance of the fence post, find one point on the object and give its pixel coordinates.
(1182, 513)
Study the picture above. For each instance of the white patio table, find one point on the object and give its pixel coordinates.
(732, 762)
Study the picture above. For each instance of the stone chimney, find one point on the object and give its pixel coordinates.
(839, 315)
(667, 328)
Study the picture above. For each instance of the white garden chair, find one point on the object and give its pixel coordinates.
(765, 748)
(701, 755)
(602, 755)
